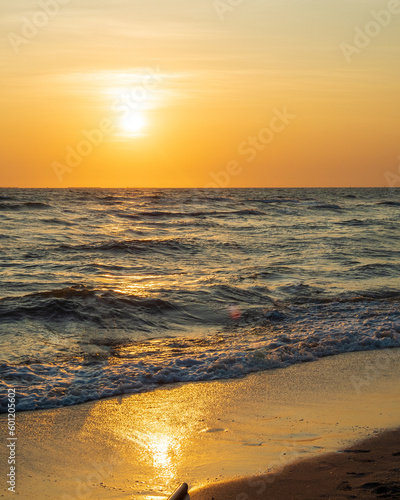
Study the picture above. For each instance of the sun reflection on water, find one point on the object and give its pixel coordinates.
(160, 449)
(132, 284)
(154, 435)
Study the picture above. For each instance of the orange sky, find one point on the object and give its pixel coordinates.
(195, 93)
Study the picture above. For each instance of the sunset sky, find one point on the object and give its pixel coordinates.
(191, 93)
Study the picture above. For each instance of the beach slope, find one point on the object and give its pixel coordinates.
(368, 470)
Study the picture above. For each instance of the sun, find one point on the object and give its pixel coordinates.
(132, 124)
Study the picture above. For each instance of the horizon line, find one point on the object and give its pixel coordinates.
(204, 188)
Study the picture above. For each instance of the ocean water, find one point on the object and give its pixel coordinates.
(116, 291)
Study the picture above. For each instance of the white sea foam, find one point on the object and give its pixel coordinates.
(306, 334)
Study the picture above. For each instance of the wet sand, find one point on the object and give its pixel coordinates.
(368, 470)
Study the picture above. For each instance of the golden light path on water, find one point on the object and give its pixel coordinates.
(141, 285)
(132, 284)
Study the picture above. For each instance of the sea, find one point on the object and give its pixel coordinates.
(106, 292)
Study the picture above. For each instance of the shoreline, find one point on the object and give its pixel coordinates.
(142, 446)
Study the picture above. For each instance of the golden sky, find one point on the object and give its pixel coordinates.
(194, 93)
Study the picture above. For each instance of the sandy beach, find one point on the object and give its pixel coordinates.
(142, 446)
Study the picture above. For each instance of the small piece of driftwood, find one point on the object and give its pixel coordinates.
(181, 493)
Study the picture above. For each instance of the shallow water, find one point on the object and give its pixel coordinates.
(111, 291)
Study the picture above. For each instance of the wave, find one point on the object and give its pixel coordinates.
(27, 205)
(356, 222)
(276, 200)
(85, 305)
(308, 203)
(389, 203)
(181, 308)
(114, 198)
(36, 204)
(325, 206)
(213, 198)
(57, 221)
(376, 270)
(248, 212)
(196, 213)
(166, 246)
(10, 206)
(372, 295)
(230, 294)
(135, 246)
(283, 338)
